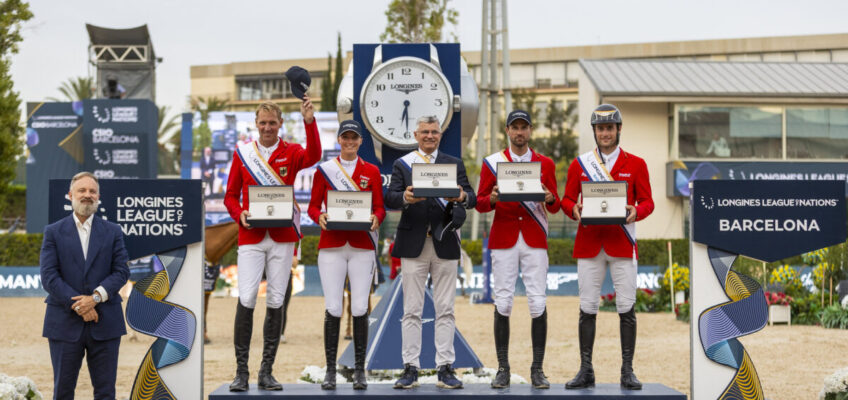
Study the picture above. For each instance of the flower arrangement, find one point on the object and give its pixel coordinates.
(822, 269)
(835, 386)
(778, 298)
(18, 388)
(681, 278)
(788, 279)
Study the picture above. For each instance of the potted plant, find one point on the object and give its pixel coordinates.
(779, 307)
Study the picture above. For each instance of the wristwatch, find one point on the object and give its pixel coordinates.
(97, 298)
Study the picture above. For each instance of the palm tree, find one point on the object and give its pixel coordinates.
(169, 142)
(202, 134)
(75, 89)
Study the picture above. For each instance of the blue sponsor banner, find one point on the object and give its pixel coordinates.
(155, 214)
(120, 138)
(768, 220)
(55, 150)
(21, 282)
(680, 173)
(561, 281)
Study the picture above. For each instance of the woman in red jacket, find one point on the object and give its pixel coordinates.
(350, 254)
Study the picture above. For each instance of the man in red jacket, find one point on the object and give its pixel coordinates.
(519, 237)
(268, 160)
(597, 246)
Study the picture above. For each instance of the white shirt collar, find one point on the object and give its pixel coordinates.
(435, 153)
(348, 163)
(83, 225)
(267, 151)
(526, 157)
(610, 159)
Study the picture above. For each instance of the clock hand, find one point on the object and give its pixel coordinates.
(405, 116)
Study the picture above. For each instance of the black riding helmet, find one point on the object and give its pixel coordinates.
(606, 114)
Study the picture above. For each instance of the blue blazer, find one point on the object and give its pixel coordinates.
(65, 274)
(416, 219)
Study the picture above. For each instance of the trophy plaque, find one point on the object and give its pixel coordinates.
(434, 180)
(270, 206)
(604, 203)
(520, 181)
(348, 210)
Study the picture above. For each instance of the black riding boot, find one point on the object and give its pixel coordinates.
(585, 377)
(331, 345)
(502, 350)
(360, 345)
(539, 337)
(271, 334)
(627, 328)
(242, 331)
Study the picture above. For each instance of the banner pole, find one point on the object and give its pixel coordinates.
(671, 275)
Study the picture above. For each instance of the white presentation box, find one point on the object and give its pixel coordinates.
(520, 181)
(348, 210)
(604, 203)
(434, 180)
(270, 206)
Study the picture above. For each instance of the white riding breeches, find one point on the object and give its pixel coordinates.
(534, 273)
(590, 277)
(270, 257)
(337, 263)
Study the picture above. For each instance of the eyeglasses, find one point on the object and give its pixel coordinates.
(428, 132)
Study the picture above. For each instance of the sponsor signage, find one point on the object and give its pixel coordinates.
(155, 215)
(120, 138)
(768, 220)
(680, 173)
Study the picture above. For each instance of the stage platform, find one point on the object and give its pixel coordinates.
(431, 392)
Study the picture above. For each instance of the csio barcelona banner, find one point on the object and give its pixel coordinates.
(155, 215)
(769, 220)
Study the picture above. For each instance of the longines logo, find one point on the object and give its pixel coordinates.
(709, 205)
(102, 119)
(406, 88)
(106, 159)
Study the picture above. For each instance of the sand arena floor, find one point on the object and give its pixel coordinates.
(792, 362)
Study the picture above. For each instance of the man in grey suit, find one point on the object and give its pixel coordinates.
(427, 243)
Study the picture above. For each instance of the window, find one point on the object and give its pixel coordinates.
(262, 88)
(758, 132)
(817, 133)
(738, 132)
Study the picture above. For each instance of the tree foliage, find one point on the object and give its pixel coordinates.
(327, 87)
(169, 142)
(418, 21)
(202, 135)
(13, 13)
(337, 73)
(76, 89)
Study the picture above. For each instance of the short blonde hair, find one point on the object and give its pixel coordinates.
(81, 175)
(270, 106)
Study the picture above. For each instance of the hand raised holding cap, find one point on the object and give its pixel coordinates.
(307, 110)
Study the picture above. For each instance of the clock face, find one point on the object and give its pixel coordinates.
(400, 91)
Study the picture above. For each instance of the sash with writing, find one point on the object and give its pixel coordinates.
(596, 171)
(415, 157)
(264, 175)
(534, 208)
(339, 179)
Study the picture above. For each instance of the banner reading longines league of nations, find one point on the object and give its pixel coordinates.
(162, 221)
(764, 220)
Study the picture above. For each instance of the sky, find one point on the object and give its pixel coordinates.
(193, 32)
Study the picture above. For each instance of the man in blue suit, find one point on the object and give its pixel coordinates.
(427, 243)
(83, 265)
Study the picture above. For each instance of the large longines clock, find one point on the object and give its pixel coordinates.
(398, 92)
(388, 87)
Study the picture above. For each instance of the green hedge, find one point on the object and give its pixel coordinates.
(20, 250)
